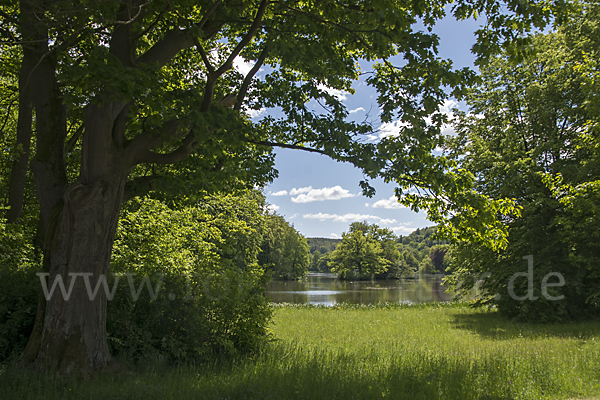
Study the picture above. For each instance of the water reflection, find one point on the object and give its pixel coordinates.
(326, 289)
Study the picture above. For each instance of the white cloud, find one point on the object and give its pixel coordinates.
(280, 193)
(272, 208)
(310, 195)
(243, 67)
(334, 236)
(391, 128)
(295, 192)
(390, 203)
(403, 230)
(340, 94)
(350, 217)
(255, 113)
(448, 129)
(293, 216)
(356, 110)
(448, 106)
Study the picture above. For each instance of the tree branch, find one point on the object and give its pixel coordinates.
(179, 154)
(145, 141)
(248, 79)
(164, 50)
(286, 146)
(211, 80)
(205, 59)
(208, 13)
(246, 39)
(152, 25)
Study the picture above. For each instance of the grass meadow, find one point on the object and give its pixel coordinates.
(434, 351)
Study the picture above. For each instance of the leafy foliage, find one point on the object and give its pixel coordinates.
(528, 123)
(422, 252)
(366, 251)
(203, 257)
(126, 98)
(284, 252)
(18, 289)
(322, 245)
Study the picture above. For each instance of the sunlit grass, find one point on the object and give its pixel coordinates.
(418, 352)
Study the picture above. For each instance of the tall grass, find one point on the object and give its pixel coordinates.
(351, 352)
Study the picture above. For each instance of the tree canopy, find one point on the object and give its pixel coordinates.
(284, 251)
(366, 251)
(531, 135)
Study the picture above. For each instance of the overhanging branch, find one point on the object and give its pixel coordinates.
(179, 154)
(246, 39)
(164, 50)
(248, 79)
(286, 146)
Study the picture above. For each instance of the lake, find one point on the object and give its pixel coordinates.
(326, 289)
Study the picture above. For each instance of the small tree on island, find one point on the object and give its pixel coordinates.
(366, 251)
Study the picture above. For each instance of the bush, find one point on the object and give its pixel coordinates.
(203, 258)
(18, 289)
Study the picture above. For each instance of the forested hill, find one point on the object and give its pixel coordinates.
(323, 245)
(421, 235)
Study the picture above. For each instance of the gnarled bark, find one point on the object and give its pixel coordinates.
(70, 329)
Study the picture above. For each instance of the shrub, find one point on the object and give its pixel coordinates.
(18, 289)
(203, 260)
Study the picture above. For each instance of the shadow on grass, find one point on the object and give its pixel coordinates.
(491, 325)
(283, 374)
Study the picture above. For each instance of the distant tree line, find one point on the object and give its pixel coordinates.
(284, 251)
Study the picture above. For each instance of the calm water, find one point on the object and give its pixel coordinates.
(327, 290)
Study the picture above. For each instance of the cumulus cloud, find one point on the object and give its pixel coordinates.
(280, 193)
(390, 203)
(356, 110)
(403, 230)
(391, 129)
(350, 217)
(295, 192)
(272, 208)
(309, 194)
(255, 113)
(448, 129)
(243, 67)
(340, 94)
(334, 236)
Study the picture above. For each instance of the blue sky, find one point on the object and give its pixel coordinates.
(321, 197)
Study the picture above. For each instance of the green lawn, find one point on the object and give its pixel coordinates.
(418, 352)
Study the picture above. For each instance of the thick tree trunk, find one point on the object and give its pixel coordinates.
(70, 330)
(71, 337)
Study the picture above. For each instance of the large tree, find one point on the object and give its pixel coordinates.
(284, 251)
(123, 97)
(530, 136)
